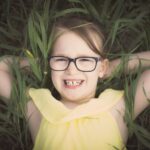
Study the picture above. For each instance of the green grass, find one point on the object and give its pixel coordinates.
(25, 31)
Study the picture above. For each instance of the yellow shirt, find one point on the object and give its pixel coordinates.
(89, 126)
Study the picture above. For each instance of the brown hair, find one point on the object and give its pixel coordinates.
(84, 27)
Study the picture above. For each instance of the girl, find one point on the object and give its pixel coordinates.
(79, 120)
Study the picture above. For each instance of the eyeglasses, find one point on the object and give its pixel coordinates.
(84, 64)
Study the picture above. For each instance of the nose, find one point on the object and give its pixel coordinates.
(72, 68)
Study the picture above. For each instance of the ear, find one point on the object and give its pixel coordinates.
(103, 68)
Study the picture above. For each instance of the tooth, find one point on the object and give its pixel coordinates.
(73, 83)
(76, 82)
(69, 83)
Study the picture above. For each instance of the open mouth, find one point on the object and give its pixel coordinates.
(73, 83)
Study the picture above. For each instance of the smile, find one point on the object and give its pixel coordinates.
(73, 83)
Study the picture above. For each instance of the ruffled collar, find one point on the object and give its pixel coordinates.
(56, 112)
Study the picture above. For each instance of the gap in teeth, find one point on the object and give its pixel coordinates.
(73, 83)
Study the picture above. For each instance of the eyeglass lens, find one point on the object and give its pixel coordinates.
(60, 63)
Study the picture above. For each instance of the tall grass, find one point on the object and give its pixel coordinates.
(26, 31)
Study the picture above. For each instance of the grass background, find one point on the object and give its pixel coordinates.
(25, 31)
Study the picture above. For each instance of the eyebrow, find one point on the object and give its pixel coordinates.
(76, 56)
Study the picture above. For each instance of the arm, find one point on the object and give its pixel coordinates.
(142, 95)
(33, 116)
(5, 77)
(133, 63)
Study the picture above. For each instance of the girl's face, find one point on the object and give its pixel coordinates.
(73, 85)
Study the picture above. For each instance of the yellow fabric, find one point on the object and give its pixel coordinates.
(89, 126)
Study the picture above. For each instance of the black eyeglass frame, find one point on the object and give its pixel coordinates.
(74, 61)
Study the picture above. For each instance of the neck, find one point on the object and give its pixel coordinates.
(73, 104)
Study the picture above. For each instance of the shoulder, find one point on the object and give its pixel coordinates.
(39, 91)
(112, 99)
(33, 111)
(118, 112)
(111, 91)
(117, 97)
(36, 95)
(112, 95)
(41, 96)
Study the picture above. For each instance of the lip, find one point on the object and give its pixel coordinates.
(73, 83)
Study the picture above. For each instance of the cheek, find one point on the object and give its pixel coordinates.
(93, 78)
(54, 77)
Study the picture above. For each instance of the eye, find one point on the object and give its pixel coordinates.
(85, 59)
(60, 59)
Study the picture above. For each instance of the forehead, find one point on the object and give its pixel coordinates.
(71, 44)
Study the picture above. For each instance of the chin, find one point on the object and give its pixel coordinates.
(75, 99)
